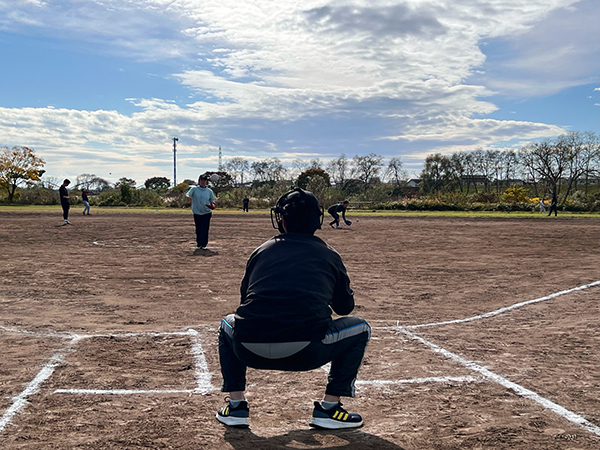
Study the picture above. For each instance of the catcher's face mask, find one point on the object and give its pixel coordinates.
(301, 211)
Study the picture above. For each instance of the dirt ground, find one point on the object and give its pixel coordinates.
(108, 333)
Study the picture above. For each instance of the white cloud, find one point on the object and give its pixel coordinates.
(404, 62)
(558, 52)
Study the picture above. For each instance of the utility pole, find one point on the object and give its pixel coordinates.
(175, 140)
(220, 160)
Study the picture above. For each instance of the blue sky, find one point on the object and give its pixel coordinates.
(101, 86)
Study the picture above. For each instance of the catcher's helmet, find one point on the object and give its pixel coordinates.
(301, 211)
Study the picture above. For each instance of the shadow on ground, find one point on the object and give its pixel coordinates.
(244, 439)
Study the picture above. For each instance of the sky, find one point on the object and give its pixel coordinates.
(102, 86)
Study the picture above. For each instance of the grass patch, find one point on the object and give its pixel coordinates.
(75, 211)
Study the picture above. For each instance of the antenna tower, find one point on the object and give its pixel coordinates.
(175, 139)
(220, 160)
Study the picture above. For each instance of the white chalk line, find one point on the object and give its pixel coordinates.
(50, 334)
(465, 379)
(203, 375)
(67, 335)
(124, 391)
(507, 308)
(518, 389)
(102, 244)
(21, 400)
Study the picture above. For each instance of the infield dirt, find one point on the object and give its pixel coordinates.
(97, 294)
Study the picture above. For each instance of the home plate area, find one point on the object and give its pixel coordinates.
(187, 363)
(106, 388)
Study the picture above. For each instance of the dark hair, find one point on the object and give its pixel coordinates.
(66, 181)
(301, 211)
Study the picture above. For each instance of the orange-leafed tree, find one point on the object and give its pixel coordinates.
(19, 165)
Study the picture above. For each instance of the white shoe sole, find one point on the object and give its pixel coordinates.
(332, 424)
(234, 421)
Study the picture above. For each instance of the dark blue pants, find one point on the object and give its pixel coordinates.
(344, 346)
(65, 208)
(202, 223)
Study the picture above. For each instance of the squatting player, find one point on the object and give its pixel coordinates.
(334, 211)
(292, 283)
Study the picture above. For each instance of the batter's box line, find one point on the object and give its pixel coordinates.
(425, 380)
(375, 383)
(202, 374)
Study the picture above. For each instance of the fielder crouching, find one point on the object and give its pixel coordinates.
(291, 285)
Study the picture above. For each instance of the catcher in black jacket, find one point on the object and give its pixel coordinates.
(291, 285)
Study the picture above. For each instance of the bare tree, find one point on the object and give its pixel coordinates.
(276, 170)
(238, 166)
(508, 165)
(268, 170)
(394, 171)
(470, 168)
(316, 164)
(580, 153)
(84, 180)
(338, 169)
(366, 168)
(590, 156)
(549, 161)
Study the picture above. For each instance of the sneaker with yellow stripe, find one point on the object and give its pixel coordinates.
(234, 416)
(334, 418)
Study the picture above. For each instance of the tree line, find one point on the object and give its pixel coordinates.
(568, 165)
(550, 166)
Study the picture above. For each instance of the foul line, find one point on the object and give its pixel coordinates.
(507, 308)
(518, 389)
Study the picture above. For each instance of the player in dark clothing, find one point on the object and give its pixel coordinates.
(245, 204)
(64, 200)
(86, 203)
(291, 285)
(553, 205)
(334, 212)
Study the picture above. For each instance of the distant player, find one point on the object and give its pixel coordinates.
(292, 285)
(245, 204)
(203, 203)
(84, 198)
(553, 205)
(334, 212)
(64, 200)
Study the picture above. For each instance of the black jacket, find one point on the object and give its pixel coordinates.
(291, 284)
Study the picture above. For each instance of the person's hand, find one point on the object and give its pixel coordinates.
(348, 222)
(211, 205)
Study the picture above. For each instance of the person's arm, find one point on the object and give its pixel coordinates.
(343, 296)
(246, 280)
(211, 204)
